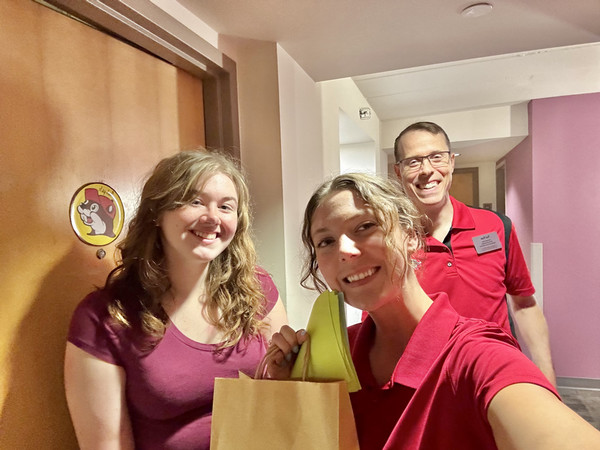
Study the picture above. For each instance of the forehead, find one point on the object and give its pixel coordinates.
(217, 183)
(336, 208)
(421, 142)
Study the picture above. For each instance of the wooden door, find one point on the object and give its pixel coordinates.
(465, 185)
(76, 106)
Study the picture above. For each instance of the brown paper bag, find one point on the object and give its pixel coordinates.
(281, 415)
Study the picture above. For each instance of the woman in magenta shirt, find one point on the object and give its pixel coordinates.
(185, 304)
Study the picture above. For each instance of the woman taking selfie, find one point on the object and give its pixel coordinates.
(185, 304)
(430, 378)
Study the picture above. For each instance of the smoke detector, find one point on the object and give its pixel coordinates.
(364, 113)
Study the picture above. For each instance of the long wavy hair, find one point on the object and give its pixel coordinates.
(234, 297)
(392, 209)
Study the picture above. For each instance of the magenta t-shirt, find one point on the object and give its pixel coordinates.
(169, 388)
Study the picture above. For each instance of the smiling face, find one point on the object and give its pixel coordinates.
(428, 186)
(351, 251)
(201, 230)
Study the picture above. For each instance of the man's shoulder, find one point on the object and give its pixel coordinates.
(482, 214)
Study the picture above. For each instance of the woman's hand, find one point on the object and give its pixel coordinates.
(285, 346)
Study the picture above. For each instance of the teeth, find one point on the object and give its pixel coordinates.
(360, 276)
(430, 185)
(205, 235)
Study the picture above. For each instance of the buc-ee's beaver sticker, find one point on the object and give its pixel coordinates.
(97, 212)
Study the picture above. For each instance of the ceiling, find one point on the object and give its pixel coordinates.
(415, 58)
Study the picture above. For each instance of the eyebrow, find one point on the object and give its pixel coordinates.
(197, 193)
(318, 231)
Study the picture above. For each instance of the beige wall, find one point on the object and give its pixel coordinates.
(76, 106)
(260, 146)
(288, 148)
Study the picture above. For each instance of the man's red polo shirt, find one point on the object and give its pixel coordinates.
(439, 392)
(477, 283)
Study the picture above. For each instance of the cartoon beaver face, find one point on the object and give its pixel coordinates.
(97, 212)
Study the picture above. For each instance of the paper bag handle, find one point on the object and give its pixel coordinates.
(262, 365)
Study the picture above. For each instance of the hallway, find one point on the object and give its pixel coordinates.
(585, 402)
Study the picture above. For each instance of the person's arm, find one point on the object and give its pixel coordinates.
(528, 416)
(95, 393)
(533, 330)
(276, 318)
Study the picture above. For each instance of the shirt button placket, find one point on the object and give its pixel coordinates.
(450, 262)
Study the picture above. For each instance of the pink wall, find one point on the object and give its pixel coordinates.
(565, 164)
(519, 191)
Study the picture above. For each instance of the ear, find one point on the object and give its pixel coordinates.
(398, 171)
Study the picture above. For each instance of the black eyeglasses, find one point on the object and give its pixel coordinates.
(414, 163)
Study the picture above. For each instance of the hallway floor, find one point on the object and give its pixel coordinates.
(585, 402)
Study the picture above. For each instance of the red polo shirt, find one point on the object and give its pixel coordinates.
(439, 392)
(477, 283)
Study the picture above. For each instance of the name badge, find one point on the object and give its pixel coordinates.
(487, 243)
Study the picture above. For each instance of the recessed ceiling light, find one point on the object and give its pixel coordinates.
(476, 10)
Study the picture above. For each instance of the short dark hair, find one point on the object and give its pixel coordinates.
(430, 127)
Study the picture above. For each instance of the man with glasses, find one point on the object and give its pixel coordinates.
(472, 254)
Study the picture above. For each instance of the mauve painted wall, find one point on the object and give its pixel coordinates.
(564, 148)
(519, 191)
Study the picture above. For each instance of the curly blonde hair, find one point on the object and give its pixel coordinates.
(235, 299)
(391, 206)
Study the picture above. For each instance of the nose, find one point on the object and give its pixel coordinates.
(210, 215)
(426, 166)
(348, 248)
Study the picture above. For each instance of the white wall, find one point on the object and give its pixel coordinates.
(186, 18)
(358, 157)
(343, 95)
(361, 157)
(466, 128)
(341, 101)
(302, 170)
(310, 153)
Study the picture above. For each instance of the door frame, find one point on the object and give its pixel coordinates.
(148, 27)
